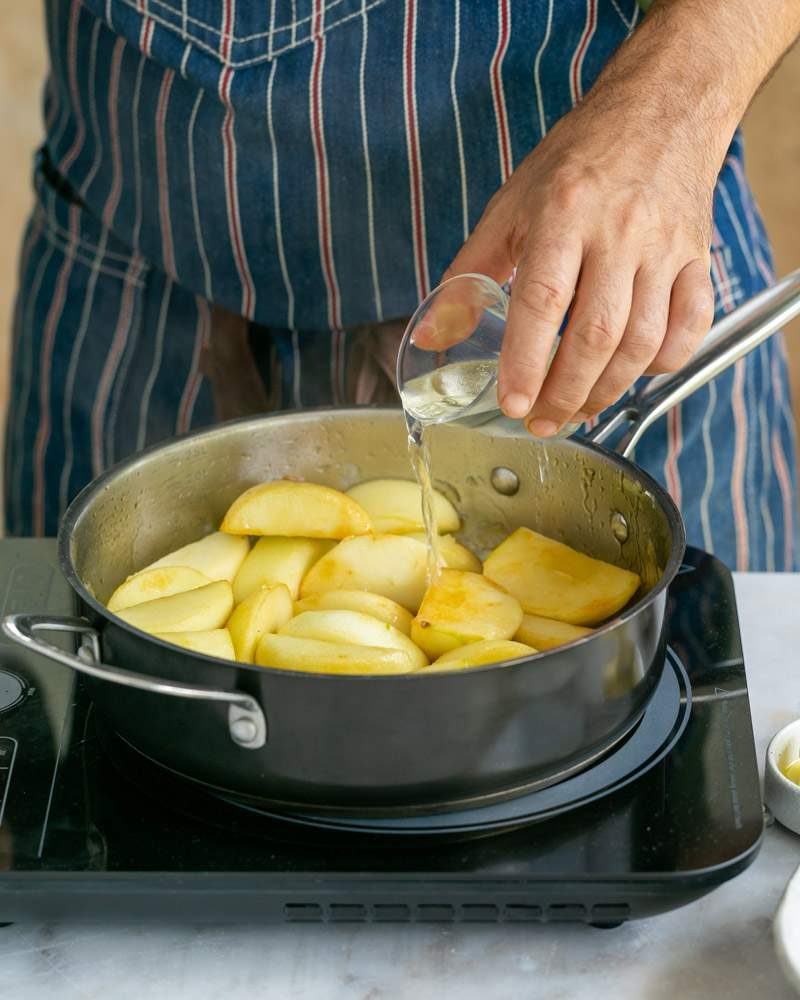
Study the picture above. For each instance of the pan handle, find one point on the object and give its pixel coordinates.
(247, 725)
(730, 339)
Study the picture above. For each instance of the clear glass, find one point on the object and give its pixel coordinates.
(449, 357)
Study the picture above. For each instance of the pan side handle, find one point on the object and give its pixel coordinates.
(730, 339)
(247, 725)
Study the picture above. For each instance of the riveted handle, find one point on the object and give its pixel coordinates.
(730, 339)
(247, 725)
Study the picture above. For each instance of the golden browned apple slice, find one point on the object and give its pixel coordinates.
(547, 633)
(552, 580)
(394, 566)
(265, 610)
(296, 510)
(358, 600)
(395, 506)
(192, 611)
(287, 652)
(216, 556)
(278, 560)
(478, 654)
(453, 554)
(459, 608)
(353, 627)
(214, 642)
(151, 584)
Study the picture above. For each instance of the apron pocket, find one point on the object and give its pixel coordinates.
(72, 230)
(233, 35)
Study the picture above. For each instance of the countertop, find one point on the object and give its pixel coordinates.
(720, 946)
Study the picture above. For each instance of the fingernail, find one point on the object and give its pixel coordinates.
(424, 334)
(542, 428)
(516, 405)
(581, 418)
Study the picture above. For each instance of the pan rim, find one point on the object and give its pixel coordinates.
(78, 505)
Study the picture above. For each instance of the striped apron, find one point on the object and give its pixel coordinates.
(232, 198)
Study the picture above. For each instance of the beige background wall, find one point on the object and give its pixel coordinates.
(772, 129)
(772, 132)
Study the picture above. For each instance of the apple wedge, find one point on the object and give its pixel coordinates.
(453, 554)
(278, 560)
(552, 580)
(478, 654)
(460, 608)
(214, 642)
(197, 610)
(265, 610)
(547, 633)
(295, 510)
(151, 584)
(393, 566)
(395, 506)
(217, 556)
(354, 628)
(358, 600)
(287, 652)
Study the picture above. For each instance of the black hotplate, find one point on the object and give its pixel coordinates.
(90, 829)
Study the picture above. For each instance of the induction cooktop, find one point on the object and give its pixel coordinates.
(92, 830)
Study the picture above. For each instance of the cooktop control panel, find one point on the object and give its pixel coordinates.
(12, 691)
(36, 697)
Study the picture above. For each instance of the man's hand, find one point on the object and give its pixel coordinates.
(609, 218)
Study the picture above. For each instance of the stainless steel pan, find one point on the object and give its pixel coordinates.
(422, 741)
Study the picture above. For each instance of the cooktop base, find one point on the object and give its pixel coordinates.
(651, 739)
(80, 840)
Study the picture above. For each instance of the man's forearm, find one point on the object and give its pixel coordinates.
(700, 63)
(609, 219)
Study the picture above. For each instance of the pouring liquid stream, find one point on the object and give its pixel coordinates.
(441, 396)
(420, 455)
(462, 392)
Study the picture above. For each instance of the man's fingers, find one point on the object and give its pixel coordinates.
(597, 321)
(543, 289)
(640, 343)
(691, 313)
(451, 317)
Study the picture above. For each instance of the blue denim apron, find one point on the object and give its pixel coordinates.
(313, 166)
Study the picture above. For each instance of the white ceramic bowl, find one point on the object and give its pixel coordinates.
(781, 795)
(787, 931)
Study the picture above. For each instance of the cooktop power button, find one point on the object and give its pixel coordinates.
(12, 690)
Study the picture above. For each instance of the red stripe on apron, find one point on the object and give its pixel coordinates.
(576, 66)
(163, 177)
(498, 95)
(778, 454)
(72, 73)
(110, 207)
(192, 387)
(321, 164)
(739, 421)
(46, 370)
(146, 30)
(412, 145)
(229, 153)
(118, 342)
(674, 445)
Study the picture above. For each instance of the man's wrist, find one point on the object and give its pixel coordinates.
(690, 69)
(676, 78)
